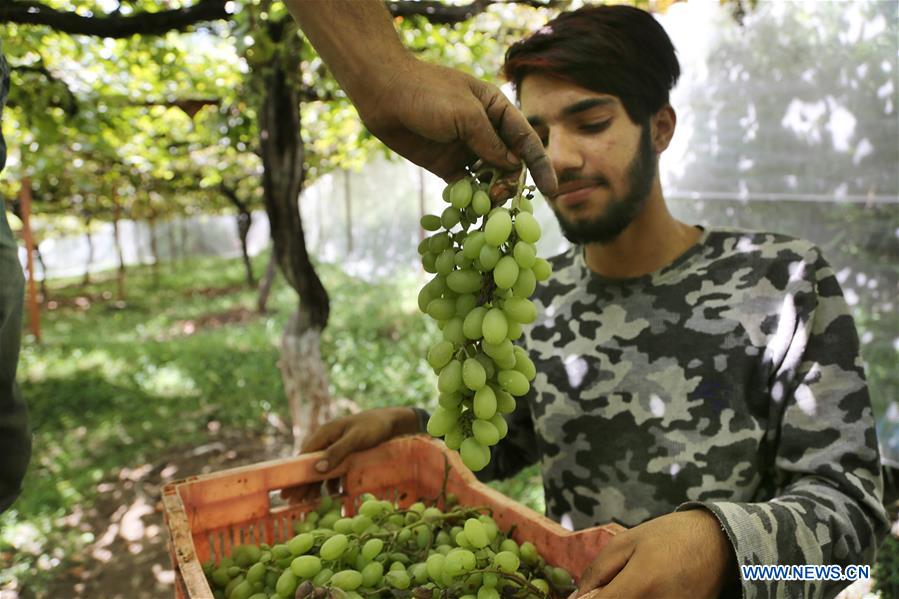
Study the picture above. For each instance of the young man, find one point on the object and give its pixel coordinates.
(701, 386)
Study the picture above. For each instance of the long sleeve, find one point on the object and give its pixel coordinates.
(826, 507)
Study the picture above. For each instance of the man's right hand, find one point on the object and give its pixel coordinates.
(343, 436)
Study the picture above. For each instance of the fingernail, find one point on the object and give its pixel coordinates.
(321, 465)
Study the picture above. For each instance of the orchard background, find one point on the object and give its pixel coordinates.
(181, 255)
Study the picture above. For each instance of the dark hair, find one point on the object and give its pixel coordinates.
(617, 50)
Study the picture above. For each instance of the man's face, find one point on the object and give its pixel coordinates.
(604, 162)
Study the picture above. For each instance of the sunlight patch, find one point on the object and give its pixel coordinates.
(166, 381)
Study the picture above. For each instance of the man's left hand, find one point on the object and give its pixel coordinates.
(683, 554)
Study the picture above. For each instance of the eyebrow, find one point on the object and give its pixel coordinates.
(575, 108)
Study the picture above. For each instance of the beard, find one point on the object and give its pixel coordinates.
(620, 211)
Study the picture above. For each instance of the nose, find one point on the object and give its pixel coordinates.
(563, 152)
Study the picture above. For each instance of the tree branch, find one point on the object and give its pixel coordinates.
(114, 25)
(442, 14)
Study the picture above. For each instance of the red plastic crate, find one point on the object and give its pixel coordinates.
(209, 515)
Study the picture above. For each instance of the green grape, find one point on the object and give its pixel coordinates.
(442, 421)
(280, 551)
(397, 566)
(229, 588)
(480, 202)
(474, 455)
(430, 222)
(514, 382)
(361, 523)
(323, 577)
(347, 580)
(520, 310)
(473, 374)
(220, 577)
(452, 332)
(372, 548)
(506, 561)
(485, 433)
(460, 193)
(461, 261)
(398, 579)
(505, 403)
(471, 247)
(241, 591)
(527, 227)
(344, 526)
(454, 438)
(524, 365)
(506, 361)
(442, 538)
(260, 595)
(423, 537)
(541, 584)
(498, 227)
(434, 564)
(372, 574)
(472, 326)
(542, 269)
(525, 284)
(441, 309)
(465, 303)
(301, 543)
(446, 193)
(234, 571)
(488, 257)
(560, 577)
(438, 243)
(423, 246)
(450, 217)
(445, 262)
(525, 254)
(256, 572)
(452, 565)
(428, 262)
(525, 205)
(244, 555)
(506, 272)
(431, 514)
(502, 427)
(419, 572)
(334, 547)
(490, 580)
(489, 526)
(287, 584)
(329, 519)
(404, 535)
(485, 403)
(450, 401)
(499, 350)
(528, 553)
(474, 530)
(487, 363)
(306, 566)
(464, 281)
(450, 378)
(462, 539)
(495, 326)
(424, 298)
(488, 593)
(509, 545)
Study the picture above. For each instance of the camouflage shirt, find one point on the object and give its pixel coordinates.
(730, 379)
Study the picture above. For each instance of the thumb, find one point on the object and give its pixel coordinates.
(338, 451)
(610, 561)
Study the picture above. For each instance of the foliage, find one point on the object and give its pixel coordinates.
(886, 570)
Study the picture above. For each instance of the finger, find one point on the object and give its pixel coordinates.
(629, 582)
(324, 436)
(606, 566)
(517, 134)
(478, 127)
(338, 451)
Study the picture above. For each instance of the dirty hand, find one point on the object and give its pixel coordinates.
(348, 434)
(682, 554)
(443, 120)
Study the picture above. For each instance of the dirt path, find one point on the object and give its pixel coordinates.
(129, 558)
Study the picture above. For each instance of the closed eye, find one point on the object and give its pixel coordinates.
(595, 127)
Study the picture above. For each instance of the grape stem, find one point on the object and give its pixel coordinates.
(523, 582)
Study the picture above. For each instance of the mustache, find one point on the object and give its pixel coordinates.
(569, 182)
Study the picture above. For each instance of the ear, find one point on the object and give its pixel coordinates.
(663, 125)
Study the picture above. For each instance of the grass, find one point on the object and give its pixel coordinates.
(115, 384)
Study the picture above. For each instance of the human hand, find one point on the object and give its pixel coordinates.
(343, 436)
(682, 554)
(443, 120)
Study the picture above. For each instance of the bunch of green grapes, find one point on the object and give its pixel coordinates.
(382, 551)
(485, 266)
